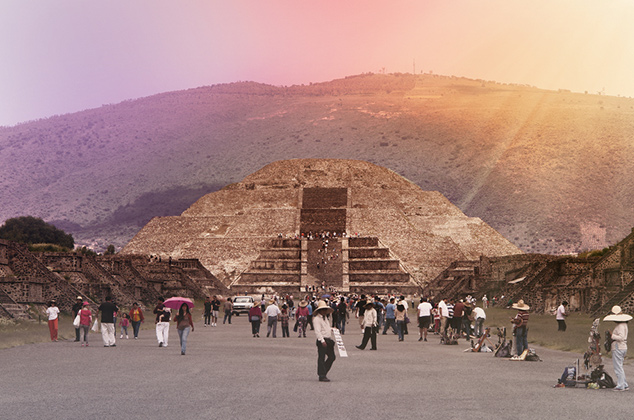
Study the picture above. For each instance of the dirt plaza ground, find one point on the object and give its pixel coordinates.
(228, 374)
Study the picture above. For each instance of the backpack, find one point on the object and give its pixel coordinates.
(602, 378)
(569, 377)
(505, 349)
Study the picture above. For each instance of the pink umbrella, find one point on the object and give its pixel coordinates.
(177, 302)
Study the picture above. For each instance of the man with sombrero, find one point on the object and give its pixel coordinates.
(521, 326)
(619, 345)
(325, 345)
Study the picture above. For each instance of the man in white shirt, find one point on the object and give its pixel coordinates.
(370, 327)
(561, 316)
(444, 316)
(424, 318)
(325, 345)
(272, 312)
(480, 316)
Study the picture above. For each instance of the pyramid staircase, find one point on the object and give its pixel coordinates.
(617, 299)
(454, 281)
(11, 307)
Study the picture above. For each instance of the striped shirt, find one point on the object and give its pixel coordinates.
(521, 319)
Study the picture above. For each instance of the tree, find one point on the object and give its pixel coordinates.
(110, 250)
(33, 230)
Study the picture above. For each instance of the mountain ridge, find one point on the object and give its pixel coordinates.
(549, 170)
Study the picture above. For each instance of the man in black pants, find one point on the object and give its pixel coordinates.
(76, 308)
(325, 345)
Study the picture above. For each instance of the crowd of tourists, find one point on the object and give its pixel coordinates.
(447, 318)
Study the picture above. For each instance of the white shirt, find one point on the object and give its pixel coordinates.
(444, 311)
(322, 327)
(370, 318)
(619, 335)
(272, 310)
(479, 313)
(424, 309)
(561, 313)
(52, 312)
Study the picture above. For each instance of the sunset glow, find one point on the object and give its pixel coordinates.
(66, 56)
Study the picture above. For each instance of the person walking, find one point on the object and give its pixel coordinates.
(561, 315)
(108, 311)
(619, 345)
(271, 313)
(284, 321)
(255, 318)
(162, 322)
(215, 307)
(325, 344)
(521, 326)
(342, 316)
(301, 316)
(369, 326)
(136, 318)
(85, 319)
(52, 312)
(184, 325)
(424, 318)
(400, 320)
(124, 324)
(76, 308)
(228, 307)
(390, 317)
(207, 311)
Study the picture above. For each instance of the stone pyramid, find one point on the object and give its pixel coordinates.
(228, 230)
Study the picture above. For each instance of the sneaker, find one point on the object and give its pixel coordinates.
(420, 339)
(619, 389)
(136, 338)
(127, 338)
(121, 336)
(182, 353)
(86, 344)
(160, 344)
(425, 339)
(82, 344)
(113, 345)
(323, 379)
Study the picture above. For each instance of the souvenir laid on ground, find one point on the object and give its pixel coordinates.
(339, 342)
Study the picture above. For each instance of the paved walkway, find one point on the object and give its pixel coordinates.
(227, 374)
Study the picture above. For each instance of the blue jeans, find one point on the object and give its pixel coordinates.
(400, 329)
(182, 334)
(617, 362)
(521, 339)
(227, 316)
(389, 322)
(135, 327)
(341, 323)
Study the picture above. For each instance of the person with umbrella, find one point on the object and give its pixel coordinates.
(619, 345)
(184, 324)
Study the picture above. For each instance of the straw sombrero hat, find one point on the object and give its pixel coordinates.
(521, 306)
(617, 315)
(323, 306)
(303, 304)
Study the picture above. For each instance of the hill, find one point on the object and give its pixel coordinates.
(549, 170)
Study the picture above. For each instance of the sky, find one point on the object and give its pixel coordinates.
(68, 55)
